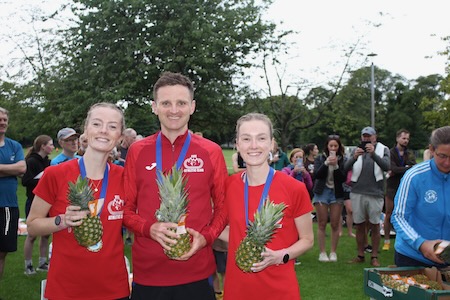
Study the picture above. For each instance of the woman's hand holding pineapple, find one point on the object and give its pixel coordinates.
(270, 258)
(74, 216)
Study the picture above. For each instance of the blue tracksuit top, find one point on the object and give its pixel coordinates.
(421, 209)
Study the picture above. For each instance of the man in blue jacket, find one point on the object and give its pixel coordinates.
(421, 215)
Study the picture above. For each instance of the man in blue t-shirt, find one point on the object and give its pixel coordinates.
(68, 140)
(12, 164)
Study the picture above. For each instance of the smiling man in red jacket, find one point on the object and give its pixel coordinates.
(155, 275)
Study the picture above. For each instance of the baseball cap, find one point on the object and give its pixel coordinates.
(368, 130)
(66, 133)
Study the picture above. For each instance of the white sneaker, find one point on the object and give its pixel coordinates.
(323, 257)
(333, 257)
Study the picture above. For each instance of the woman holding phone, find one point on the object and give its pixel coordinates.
(329, 193)
(297, 169)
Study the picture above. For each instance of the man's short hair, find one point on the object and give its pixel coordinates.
(400, 131)
(169, 78)
(129, 132)
(4, 111)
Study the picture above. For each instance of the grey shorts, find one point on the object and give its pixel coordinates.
(366, 207)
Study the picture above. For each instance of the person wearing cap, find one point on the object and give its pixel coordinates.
(368, 162)
(68, 140)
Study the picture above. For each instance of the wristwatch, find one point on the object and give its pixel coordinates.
(286, 258)
(58, 220)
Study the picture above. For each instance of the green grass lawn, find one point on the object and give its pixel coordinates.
(317, 280)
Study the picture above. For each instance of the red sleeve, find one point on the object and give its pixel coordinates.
(47, 186)
(131, 219)
(219, 219)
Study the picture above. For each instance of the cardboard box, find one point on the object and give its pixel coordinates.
(374, 288)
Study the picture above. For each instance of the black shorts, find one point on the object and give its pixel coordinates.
(28, 206)
(9, 223)
(199, 290)
(221, 261)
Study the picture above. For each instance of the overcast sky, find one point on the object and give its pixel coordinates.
(406, 42)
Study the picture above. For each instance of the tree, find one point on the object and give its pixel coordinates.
(22, 113)
(290, 112)
(119, 48)
(351, 108)
(408, 107)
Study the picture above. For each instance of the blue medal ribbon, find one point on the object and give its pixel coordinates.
(180, 159)
(104, 183)
(263, 195)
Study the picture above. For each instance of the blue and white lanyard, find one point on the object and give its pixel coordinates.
(263, 195)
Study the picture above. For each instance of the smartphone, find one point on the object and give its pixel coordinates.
(300, 162)
(363, 145)
(332, 153)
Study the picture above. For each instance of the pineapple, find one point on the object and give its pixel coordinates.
(90, 232)
(442, 250)
(173, 208)
(259, 232)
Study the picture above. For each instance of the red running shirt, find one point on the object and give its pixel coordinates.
(75, 272)
(274, 282)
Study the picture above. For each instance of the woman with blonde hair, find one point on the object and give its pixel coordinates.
(274, 277)
(101, 267)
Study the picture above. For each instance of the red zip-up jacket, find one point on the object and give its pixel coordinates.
(206, 172)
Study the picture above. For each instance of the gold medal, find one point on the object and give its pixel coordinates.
(97, 247)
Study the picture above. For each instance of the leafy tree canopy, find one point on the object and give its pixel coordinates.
(118, 50)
